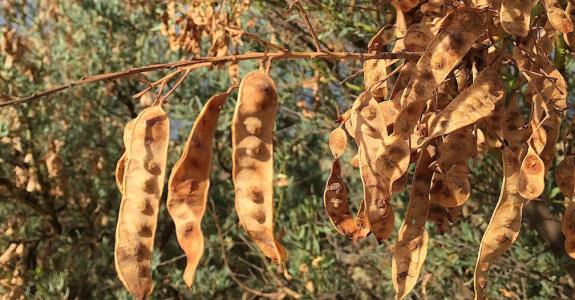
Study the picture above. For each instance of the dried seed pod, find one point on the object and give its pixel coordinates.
(515, 16)
(189, 184)
(407, 5)
(438, 215)
(557, 16)
(362, 225)
(337, 142)
(402, 80)
(433, 8)
(411, 247)
(252, 154)
(565, 176)
(457, 147)
(457, 33)
(121, 165)
(503, 229)
(568, 228)
(452, 189)
(143, 185)
(417, 37)
(475, 103)
(569, 37)
(374, 70)
(532, 175)
(390, 109)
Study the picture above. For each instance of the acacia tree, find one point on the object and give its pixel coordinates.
(451, 88)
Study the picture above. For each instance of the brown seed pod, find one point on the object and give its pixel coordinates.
(438, 215)
(452, 189)
(417, 37)
(143, 185)
(569, 37)
(568, 228)
(565, 176)
(433, 8)
(189, 184)
(503, 229)
(407, 5)
(252, 155)
(457, 147)
(532, 175)
(411, 247)
(459, 30)
(362, 225)
(374, 70)
(335, 197)
(121, 165)
(557, 16)
(475, 103)
(515, 16)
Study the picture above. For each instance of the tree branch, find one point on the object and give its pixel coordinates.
(213, 61)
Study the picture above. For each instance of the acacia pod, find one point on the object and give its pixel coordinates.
(565, 176)
(402, 80)
(390, 109)
(557, 16)
(531, 176)
(374, 70)
(515, 16)
(568, 228)
(189, 184)
(569, 37)
(143, 185)
(407, 5)
(453, 188)
(438, 215)
(473, 104)
(121, 165)
(457, 147)
(252, 156)
(457, 33)
(362, 225)
(433, 8)
(417, 37)
(336, 202)
(337, 142)
(412, 240)
(503, 229)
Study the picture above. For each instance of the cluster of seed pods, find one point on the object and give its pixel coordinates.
(445, 109)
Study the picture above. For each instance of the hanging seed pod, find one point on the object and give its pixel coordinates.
(503, 229)
(565, 176)
(515, 16)
(452, 189)
(374, 70)
(336, 194)
(568, 228)
(457, 147)
(411, 247)
(189, 184)
(557, 16)
(407, 5)
(252, 153)
(143, 183)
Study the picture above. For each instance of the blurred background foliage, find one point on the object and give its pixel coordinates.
(59, 201)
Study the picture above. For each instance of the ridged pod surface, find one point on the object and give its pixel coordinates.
(565, 176)
(143, 185)
(515, 16)
(557, 16)
(336, 193)
(252, 155)
(473, 104)
(456, 35)
(374, 70)
(457, 147)
(412, 240)
(189, 184)
(121, 165)
(503, 229)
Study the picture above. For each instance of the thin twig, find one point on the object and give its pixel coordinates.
(211, 61)
(307, 22)
(176, 85)
(241, 33)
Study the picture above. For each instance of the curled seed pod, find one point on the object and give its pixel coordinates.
(252, 155)
(438, 215)
(417, 37)
(568, 228)
(362, 225)
(515, 16)
(189, 184)
(557, 16)
(565, 176)
(453, 188)
(569, 37)
(532, 175)
(143, 185)
(402, 79)
(390, 109)
(121, 165)
(335, 197)
(459, 30)
(503, 229)
(412, 240)
(475, 103)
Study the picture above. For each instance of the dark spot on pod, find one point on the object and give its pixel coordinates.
(419, 89)
(443, 123)
(145, 230)
(369, 112)
(195, 142)
(151, 185)
(188, 229)
(336, 186)
(456, 41)
(260, 216)
(146, 207)
(152, 167)
(142, 252)
(148, 140)
(426, 75)
(143, 271)
(403, 275)
(257, 196)
(438, 63)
